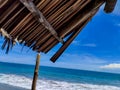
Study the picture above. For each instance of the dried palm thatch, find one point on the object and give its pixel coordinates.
(41, 24)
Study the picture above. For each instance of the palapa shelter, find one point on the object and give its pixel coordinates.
(42, 24)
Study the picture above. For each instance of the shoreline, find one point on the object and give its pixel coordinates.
(10, 87)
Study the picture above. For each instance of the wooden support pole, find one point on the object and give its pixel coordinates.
(36, 72)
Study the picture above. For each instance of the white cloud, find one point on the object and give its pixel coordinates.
(118, 24)
(84, 61)
(76, 42)
(111, 66)
(89, 45)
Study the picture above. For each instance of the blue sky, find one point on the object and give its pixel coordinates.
(96, 48)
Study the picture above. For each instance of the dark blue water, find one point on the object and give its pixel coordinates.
(61, 74)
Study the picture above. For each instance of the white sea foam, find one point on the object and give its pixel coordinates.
(24, 82)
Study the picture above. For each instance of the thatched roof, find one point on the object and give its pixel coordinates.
(41, 24)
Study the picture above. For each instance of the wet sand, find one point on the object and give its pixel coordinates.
(8, 87)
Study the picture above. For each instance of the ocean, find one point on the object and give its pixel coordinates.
(51, 78)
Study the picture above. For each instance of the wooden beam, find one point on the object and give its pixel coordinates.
(36, 72)
(67, 42)
(110, 5)
(40, 18)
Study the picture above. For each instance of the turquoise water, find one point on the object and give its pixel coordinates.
(58, 76)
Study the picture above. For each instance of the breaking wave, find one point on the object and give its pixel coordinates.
(44, 84)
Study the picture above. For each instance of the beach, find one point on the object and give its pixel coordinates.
(9, 87)
(19, 77)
